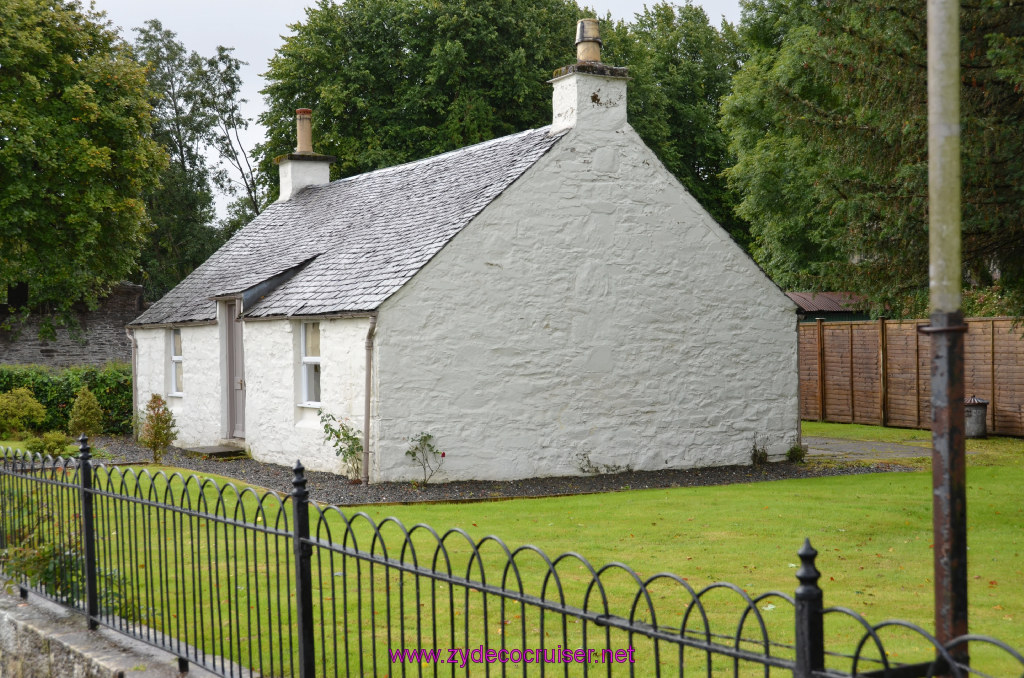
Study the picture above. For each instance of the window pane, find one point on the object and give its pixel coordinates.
(176, 339)
(178, 378)
(312, 382)
(312, 348)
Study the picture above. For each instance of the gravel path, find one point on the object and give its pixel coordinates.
(329, 488)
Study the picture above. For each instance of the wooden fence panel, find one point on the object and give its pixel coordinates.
(867, 392)
(880, 372)
(1008, 356)
(839, 372)
(978, 376)
(807, 349)
(902, 374)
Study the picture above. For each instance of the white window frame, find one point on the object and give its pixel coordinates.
(177, 364)
(306, 365)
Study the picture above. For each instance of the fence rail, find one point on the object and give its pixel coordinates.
(878, 372)
(243, 583)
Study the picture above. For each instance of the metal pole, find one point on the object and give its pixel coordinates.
(303, 571)
(92, 608)
(949, 504)
(810, 627)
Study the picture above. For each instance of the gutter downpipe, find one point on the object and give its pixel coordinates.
(130, 333)
(366, 404)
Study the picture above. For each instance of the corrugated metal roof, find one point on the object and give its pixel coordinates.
(812, 302)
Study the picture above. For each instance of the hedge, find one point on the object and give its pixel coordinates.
(56, 389)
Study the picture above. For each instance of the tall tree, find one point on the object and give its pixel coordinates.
(828, 121)
(76, 155)
(196, 118)
(681, 68)
(396, 80)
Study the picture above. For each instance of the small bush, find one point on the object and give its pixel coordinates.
(86, 415)
(55, 444)
(758, 454)
(20, 410)
(345, 440)
(34, 445)
(157, 429)
(45, 548)
(424, 453)
(796, 454)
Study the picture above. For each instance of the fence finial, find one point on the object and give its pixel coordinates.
(299, 480)
(83, 447)
(810, 628)
(807, 574)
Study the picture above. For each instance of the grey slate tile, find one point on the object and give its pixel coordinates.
(366, 235)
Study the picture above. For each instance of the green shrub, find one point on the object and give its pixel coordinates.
(345, 440)
(20, 410)
(425, 453)
(56, 389)
(44, 549)
(758, 454)
(86, 415)
(55, 444)
(157, 427)
(796, 454)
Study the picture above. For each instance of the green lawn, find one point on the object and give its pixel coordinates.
(873, 532)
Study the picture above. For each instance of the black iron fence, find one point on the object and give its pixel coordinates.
(243, 583)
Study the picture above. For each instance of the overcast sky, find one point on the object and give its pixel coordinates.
(254, 28)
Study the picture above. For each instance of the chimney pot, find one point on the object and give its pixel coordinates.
(304, 130)
(588, 40)
(303, 167)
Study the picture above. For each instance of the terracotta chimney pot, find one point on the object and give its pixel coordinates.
(588, 40)
(304, 130)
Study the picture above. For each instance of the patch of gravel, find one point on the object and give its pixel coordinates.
(328, 488)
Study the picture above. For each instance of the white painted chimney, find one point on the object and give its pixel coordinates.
(589, 94)
(303, 167)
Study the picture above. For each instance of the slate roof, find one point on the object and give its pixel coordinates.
(350, 244)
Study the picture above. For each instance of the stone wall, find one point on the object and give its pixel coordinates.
(41, 640)
(593, 318)
(102, 339)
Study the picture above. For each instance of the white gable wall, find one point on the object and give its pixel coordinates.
(280, 431)
(197, 412)
(592, 317)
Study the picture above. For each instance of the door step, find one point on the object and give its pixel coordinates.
(217, 452)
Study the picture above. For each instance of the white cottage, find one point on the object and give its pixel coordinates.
(546, 303)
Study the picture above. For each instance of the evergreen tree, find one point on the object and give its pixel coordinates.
(828, 120)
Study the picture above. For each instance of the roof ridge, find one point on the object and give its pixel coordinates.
(435, 158)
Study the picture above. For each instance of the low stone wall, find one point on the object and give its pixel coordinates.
(41, 640)
(102, 338)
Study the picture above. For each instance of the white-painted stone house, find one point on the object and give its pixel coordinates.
(546, 303)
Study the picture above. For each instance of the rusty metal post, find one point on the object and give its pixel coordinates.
(949, 477)
(949, 497)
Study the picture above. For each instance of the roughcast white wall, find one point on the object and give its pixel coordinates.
(277, 429)
(197, 412)
(593, 317)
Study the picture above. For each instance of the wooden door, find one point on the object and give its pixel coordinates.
(236, 373)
